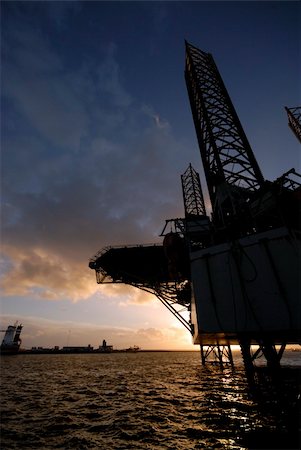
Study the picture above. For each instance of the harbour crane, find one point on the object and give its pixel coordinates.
(235, 272)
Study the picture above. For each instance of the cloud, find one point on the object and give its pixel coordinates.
(160, 123)
(108, 81)
(39, 274)
(85, 166)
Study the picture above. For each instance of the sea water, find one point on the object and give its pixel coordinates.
(143, 400)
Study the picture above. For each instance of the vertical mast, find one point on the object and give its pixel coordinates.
(197, 223)
(231, 170)
(192, 193)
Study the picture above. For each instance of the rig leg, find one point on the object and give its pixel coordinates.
(245, 347)
(267, 348)
(229, 354)
(203, 356)
(270, 352)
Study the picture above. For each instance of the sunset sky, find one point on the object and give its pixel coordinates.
(96, 131)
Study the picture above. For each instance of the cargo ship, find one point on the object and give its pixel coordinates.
(11, 342)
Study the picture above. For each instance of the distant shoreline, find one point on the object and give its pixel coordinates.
(93, 352)
(46, 351)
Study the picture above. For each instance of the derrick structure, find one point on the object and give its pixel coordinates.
(197, 223)
(231, 170)
(294, 120)
(194, 204)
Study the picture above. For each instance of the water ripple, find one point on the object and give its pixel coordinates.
(132, 401)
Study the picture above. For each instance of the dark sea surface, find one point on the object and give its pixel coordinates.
(143, 401)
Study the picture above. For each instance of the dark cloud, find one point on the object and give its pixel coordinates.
(85, 166)
(62, 11)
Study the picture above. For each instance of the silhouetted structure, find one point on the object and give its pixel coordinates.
(11, 341)
(236, 272)
(104, 348)
(294, 120)
(241, 287)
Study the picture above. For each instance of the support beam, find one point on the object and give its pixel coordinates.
(216, 354)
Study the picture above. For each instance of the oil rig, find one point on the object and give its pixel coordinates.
(230, 277)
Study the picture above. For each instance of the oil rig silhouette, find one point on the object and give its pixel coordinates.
(233, 273)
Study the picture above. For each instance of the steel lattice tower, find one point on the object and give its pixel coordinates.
(192, 193)
(227, 157)
(294, 120)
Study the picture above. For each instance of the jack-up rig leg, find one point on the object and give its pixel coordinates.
(267, 348)
(271, 355)
(245, 347)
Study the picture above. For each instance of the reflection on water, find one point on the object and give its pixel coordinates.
(141, 401)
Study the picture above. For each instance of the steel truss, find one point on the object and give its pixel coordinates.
(175, 296)
(290, 180)
(226, 153)
(294, 120)
(216, 354)
(197, 223)
(174, 226)
(192, 193)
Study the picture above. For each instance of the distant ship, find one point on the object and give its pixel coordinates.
(11, 341)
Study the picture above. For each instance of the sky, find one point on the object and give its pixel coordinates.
(96, 130)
